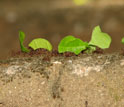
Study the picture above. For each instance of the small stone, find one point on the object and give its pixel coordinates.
(122, 63)
(57, 62)
(12, 70)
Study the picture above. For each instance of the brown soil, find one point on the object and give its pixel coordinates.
(86, 80)
(47, 55)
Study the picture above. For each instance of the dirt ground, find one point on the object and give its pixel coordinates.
(86, 80)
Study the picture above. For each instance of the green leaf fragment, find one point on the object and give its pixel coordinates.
(100, 39)
(72, 44)
(40, 43)
(122, 40)
(90, 49)
(21, 39)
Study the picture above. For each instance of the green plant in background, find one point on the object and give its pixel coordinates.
(21, 39)
(34, 44)
(80, 2)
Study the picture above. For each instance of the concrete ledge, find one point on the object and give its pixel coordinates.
(79, 81)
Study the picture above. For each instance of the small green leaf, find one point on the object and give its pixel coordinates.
(40, 43)
(21, 39)
(100, 39)
(122, 40)
(72, 44)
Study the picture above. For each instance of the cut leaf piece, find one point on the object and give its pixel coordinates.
(90, 49)
(122, 40)
(72, 44)
(40, 43)
(100, 39)
(21, 39)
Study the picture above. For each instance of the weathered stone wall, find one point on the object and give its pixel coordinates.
(78, 81)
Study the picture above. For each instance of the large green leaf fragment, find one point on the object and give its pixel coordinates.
(100, 39)
(72, 44)
(21, 39)
(40, 43)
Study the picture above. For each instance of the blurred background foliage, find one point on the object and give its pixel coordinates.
(54, 19)
(80, 2)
